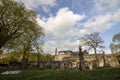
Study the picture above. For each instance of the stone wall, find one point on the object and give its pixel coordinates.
(65, 60)
(71, 61)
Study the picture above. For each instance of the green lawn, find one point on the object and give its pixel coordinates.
(101, 74)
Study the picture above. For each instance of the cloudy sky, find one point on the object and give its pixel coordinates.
(65, 21)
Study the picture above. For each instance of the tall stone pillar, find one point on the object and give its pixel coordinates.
(104, 60)
(81, 59)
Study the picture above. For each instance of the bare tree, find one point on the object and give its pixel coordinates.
(93, 41)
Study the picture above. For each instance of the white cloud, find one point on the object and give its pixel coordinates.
(63, 20)
(116, 16)
(59, 28)
(101, 23)
(106, 4)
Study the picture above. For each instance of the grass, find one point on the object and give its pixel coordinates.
(101, 74)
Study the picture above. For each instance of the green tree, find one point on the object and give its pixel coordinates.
(115, 45)
(15, 21)
(18, 27)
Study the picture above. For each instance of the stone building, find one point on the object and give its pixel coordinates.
(71, 59)
(62, 54)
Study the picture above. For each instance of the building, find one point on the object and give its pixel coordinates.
(62, 54)
(71, 59)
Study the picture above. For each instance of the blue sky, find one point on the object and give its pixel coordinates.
(65, 21)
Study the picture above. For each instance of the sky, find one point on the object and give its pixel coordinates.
(65, 21)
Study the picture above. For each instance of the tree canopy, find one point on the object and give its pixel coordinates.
(17, 23)
(115, 45)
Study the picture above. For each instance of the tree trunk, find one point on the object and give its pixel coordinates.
(0, 47)
(23, 61)
(96, 61)
(38, 61)
(95, 53)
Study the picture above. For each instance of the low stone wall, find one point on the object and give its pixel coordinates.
(62, 65)
(89, 65)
